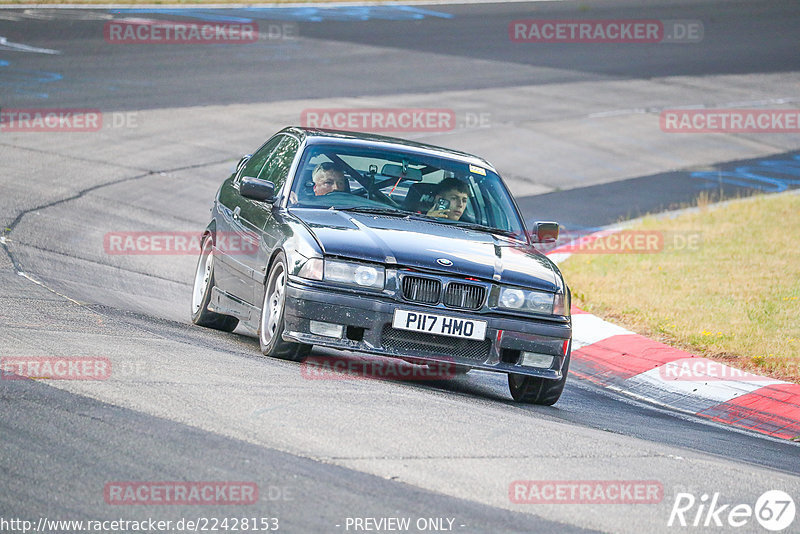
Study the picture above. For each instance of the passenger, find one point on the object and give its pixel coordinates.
(454, 191)
(329, 178)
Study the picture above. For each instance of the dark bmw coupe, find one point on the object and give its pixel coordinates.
(384, 246)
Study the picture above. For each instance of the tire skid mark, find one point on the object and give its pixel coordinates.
(5, 242)
(5, 44)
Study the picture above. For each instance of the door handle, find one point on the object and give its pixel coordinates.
(236, 212)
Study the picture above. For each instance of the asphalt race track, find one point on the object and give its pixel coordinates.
(573, 128)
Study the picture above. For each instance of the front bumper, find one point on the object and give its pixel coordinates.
(368, 320)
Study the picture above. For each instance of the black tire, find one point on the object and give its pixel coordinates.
(270, 324)
(535, 390)
(201, 292)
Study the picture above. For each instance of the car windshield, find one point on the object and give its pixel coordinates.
(404, 184)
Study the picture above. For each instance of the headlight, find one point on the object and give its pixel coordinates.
(512, 298)
(354, 274)
(524, 300)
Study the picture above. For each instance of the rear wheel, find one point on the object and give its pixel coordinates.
(201, 292)
(536, 390)
(270, 329)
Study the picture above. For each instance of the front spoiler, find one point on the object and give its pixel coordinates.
(304, 303)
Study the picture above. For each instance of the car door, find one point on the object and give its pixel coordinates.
(261, 215)
(233, 271)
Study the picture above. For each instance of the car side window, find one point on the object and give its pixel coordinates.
(255, 164)
(280, 161)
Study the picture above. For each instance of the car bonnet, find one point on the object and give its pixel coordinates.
(430, 246)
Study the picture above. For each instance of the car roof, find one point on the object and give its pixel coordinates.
(320, 135)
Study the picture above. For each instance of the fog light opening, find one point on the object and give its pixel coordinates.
(534, 359)
(326, 329)
(355, 333)
(509, 356)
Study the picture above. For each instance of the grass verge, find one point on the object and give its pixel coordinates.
(725, 285)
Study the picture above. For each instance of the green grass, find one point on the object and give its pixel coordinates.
(735, 297)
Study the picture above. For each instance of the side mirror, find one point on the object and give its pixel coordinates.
(243, 162)
(256, 189)
(545, 232)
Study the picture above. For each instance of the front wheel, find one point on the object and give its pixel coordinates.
(201, 292)
(536, 390)
(270, 329)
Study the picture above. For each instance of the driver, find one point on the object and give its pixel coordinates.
(329, 178)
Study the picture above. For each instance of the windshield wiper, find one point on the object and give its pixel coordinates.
(482, 228)
(375, 210)
(400, 213)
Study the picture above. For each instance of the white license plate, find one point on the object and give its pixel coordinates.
(439, 324)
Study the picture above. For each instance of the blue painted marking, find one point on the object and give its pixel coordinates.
(343, 13)
(347, 13)
(26, 77)
(761, 176)
(791, 168)
(753, 181)
(419, 12)
(22, 80)
(191, 13)
(306, 14)
(33, 94)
